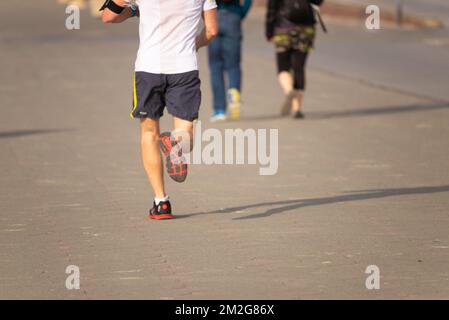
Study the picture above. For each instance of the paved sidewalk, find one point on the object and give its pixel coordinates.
(363, 181)
(425, 9)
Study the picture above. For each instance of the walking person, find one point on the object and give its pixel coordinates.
(166, 75)
(225, 59)
(290, 25)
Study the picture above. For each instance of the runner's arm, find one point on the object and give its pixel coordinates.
(112, 17)
(210, 30)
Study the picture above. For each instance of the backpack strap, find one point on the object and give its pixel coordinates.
(317, 13)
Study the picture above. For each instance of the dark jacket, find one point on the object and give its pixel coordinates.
(236, 7)
(274, 17)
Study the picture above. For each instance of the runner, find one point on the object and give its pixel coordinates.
(166, 75)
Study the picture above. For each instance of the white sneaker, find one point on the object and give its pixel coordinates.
(234, 104)
(94, 6)
(218, 117)
(79, 3)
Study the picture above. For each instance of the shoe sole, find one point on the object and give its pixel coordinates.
(161, 217)
(166, 144)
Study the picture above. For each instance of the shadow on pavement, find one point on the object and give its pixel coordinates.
(22, 133)
(289, 205)
(374, 111)
(319, 115)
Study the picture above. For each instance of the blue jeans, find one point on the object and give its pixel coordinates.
(225, 56)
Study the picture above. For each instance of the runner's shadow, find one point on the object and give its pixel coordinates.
(289, 205)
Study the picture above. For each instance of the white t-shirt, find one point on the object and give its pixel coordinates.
(168, 29)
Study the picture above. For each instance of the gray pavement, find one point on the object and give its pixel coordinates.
(363, 181)
(421, 8)
(411, 61)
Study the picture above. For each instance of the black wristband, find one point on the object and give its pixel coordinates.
(111, 5)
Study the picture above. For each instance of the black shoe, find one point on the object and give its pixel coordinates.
(161, 211)
(298, 115)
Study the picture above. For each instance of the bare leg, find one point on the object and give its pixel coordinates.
(297, 100)
(151, 155)
(286, 81)
(183, 132)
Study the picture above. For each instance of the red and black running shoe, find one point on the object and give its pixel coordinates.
(175, 163)
(162, 211)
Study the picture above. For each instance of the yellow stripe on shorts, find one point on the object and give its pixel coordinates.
(135, 96)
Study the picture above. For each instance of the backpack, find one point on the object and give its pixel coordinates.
(295, 11)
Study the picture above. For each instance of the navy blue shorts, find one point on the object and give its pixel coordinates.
(180, 93)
